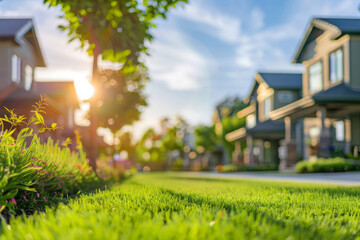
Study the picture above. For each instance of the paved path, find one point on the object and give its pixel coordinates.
(344, 178)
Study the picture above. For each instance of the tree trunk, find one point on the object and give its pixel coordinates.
(93, 152)
(114, 150)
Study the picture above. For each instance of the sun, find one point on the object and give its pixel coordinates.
(84, 89)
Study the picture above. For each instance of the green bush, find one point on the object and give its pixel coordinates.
(35, 174)
(177, 165)
(245, 168)
(327, 165)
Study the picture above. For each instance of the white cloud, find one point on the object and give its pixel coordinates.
(174, 62)
(257, 18)
(222, 26)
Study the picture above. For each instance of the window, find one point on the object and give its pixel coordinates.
(285, 96)
(316, 77)
(267, 107)
(336, 66)
(28, 77)
(15, 68)
(250, 121)
(340, 131)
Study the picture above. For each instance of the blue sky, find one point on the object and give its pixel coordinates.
(202, 53)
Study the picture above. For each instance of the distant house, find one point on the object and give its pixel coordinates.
(258, 142)
(326, 119)
(20, 55)
(223, 113)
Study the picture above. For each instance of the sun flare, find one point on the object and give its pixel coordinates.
(84, 89)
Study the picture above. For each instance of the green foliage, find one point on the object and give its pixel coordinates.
(228, 109)
(156, 147)
(230, 124)
(244, 168)
(108, 170)
(31, 172)
(177, 166)
(164, 206)
(117, 28)
(327, 165)
(121, 97)
(206, 137)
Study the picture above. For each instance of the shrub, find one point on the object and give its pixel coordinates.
(177, 165)
(327, 165)
(245, 168)
(32, 172)
(108, 170)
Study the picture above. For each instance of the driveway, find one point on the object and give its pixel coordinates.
(343, 178)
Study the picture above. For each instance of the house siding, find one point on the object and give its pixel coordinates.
(5, 64)
(354, 62)
(279, 104)
(355, 130)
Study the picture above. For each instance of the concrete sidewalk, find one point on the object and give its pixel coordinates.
(343, 178)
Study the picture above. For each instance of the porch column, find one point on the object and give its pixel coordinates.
(347, 124)
(250, 148)
(287, 121)
(237, 154)
(321, 113)
(324, 142)
(289, 147)
(262, 152)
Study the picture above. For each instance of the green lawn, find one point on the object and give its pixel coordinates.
(173, 206)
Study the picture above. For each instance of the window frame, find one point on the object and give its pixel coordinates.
(26, 86)
(322, 77)
(342, 66)
(281, 93)
(266, 116)
(17, 78)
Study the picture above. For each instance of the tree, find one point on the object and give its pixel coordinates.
(230, 124)
(228, 109)
(157, 147)
(126, 145)
(206, 137)
(115, 29)
(121, 97)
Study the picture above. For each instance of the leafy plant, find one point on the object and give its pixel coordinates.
(327, 165)
(31, 172)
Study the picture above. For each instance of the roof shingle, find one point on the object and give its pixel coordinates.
(283, 80)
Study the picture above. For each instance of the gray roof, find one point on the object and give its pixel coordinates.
(268, 130)
(340, 93)
(268, 126)
(283, 80)
(314, 30)
(9, 27)
(15, 29)
(346, 25)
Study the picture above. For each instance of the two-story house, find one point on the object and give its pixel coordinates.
(258, 142)
(328, 114)
(20, 55)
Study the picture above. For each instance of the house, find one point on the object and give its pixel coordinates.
(258, 142)
(326, 119)
(224, 120)
(20, 55)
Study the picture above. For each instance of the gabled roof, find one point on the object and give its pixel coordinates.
(338, 27)
(57, 90)
(11, 27)
(345, 25)
(266, 130)
(289, 81)
(340, 93)
(252, 92)
(14, 94)
(18, 29)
